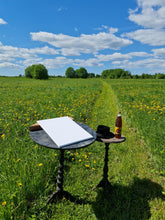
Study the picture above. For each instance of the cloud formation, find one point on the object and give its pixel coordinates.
(149, 14)
(90, 44)
(2, 21)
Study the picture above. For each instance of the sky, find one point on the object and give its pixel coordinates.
(94, 34)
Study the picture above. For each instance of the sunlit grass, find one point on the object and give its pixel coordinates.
(143, 101)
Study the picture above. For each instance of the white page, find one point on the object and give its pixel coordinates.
(64, 131)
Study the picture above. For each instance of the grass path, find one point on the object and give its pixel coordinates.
(138, 187)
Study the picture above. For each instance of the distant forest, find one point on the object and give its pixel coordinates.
(111, 74)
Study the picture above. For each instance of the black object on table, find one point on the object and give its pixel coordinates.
(104, 183)
(41, 138)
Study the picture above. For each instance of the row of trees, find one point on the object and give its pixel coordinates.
(116, 74)
(78, 73)
(39, 71)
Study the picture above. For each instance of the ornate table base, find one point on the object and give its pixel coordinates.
(104, 183)
(60, 193)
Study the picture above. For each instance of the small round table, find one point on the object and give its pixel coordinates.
(40, 137)
(104, 183)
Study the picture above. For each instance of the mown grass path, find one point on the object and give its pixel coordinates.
(138, 188)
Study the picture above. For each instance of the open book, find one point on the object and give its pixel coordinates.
(64, 131)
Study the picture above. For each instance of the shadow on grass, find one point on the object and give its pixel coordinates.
(127, 202)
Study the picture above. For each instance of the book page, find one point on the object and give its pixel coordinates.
(64, 131)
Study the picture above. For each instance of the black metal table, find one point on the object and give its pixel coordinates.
(40, 137)
(104, 183)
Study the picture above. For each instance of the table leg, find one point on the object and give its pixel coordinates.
(104, 183)
(60, 193)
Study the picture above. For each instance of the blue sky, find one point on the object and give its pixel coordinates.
(95, 34)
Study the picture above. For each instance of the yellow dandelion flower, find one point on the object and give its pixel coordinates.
(35, 146)
(93, 168)
(40, 164)
(18, 159)
(79, 160)
(3, 136)
(55, 155)
(94, 161)
(19, 184)
(87, 165)
(4, 203)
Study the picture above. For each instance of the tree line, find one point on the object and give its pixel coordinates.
(39, 71)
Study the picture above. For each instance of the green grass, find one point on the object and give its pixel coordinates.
(28, 171)
(143, 101)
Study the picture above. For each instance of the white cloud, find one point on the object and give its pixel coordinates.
(152, 64)
(120, 56)
(2, 21)
(9, 65)
(87, 63)
(75, 46)
(154, 37)
(149, 13)
(57, 62)
(159, 52)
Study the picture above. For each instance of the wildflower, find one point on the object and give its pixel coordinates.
(19, 184)
(18, 159)
(35, 146)
(4, 203)
(87, 165)
(79, 160)
(93, 168)
(3, 136)
(40, 164)
(94, 161)
(55, 155)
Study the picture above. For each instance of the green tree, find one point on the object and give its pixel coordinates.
(28, 72)
(70, 72)
(37, 71)
(81, 73)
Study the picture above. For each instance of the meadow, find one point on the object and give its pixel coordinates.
(136, 168)
(143, 101)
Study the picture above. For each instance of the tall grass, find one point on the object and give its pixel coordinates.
(143, 101)
(26, 168)
(28, 171)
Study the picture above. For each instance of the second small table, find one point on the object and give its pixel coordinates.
(104, 183)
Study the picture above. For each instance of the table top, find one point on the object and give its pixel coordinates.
(112, 140)
(41, 138)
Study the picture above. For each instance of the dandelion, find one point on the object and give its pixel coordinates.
(79, 160)
(72, 158)
(55, 155)
(4, 203)
(87, 165)
(19, 184)
(3, 136)
(94, 161)
(18, 159)
(93, 168)
(40, 164)
(35, 147)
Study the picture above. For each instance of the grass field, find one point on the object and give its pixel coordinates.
(136, 167)
(143, 101)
